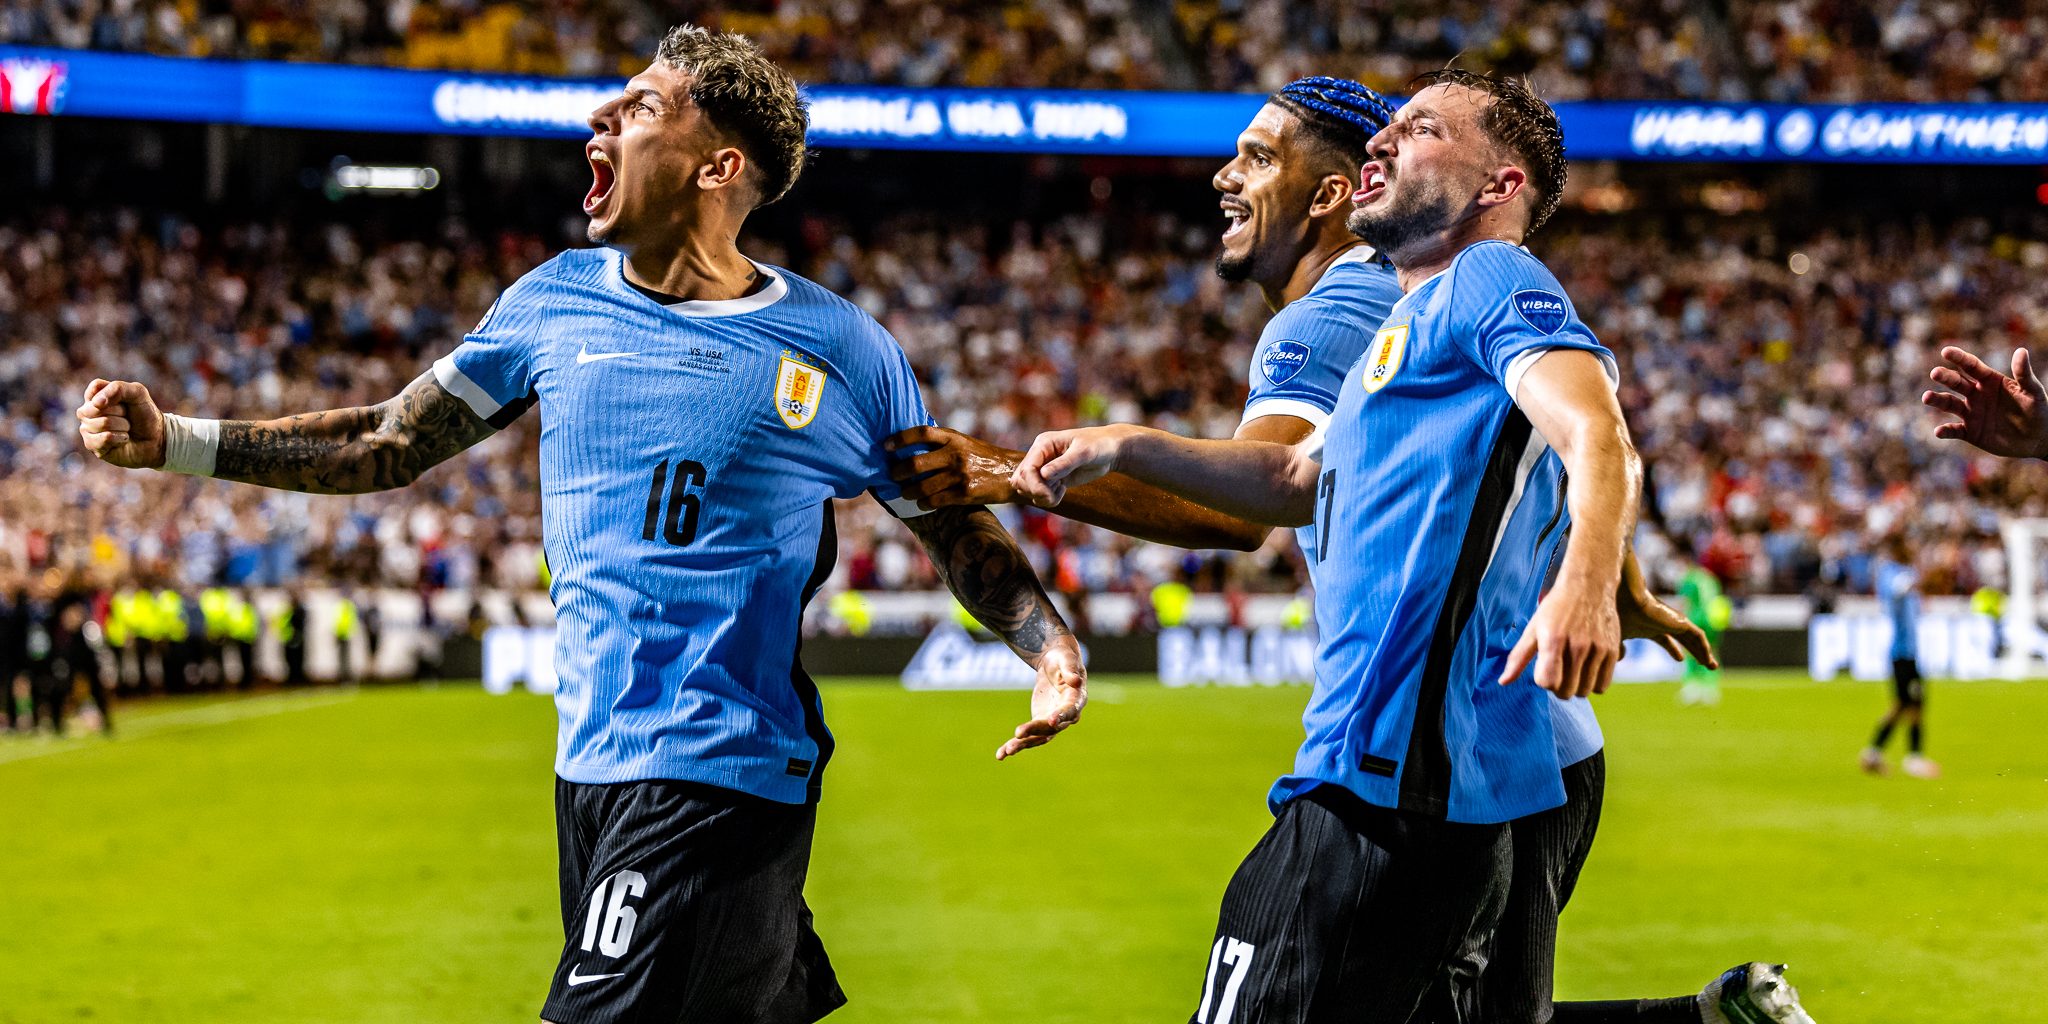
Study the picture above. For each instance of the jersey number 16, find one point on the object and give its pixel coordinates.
(679, 525)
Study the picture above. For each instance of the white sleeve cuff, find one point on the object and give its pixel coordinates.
(1312, 445)
(457, 383)
(1316, 416)
(1520, 368)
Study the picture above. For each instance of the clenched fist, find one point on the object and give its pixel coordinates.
(121, 424)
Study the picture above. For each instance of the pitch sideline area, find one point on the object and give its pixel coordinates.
(387, 855)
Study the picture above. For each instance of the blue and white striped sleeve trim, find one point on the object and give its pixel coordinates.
(458, 384)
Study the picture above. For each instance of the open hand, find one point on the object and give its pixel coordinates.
(2002, 415)
(1644, 617)
(1056, 699)
(121, 425)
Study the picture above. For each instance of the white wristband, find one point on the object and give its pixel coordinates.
(190, 445)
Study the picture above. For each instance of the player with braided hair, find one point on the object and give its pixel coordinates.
(1286, 195)
(1381, 892)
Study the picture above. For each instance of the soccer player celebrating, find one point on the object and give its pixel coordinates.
(1285, 197)
(1898, 591)
(699, 413)
(1388, 863)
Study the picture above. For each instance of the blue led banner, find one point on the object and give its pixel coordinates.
(75, 83)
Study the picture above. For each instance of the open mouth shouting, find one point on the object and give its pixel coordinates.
(1372, 181)
(1236, 214)
(603, 175)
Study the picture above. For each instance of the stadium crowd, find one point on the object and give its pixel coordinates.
(1771, 387)
(1734, 50)
(1737, 50)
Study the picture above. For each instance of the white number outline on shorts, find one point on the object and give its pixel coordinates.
(1237, 955)
(618, 918)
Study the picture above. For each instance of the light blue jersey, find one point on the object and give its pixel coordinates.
(689, 454)
(1898, 591)
(1437, 514)
(1308, 345)
(1297, 370)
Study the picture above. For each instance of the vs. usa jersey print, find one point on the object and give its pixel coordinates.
(1438, 512)
(1308, 345)
(688, 457)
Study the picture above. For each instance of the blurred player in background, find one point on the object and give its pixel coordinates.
(75, 643)
(700, 413)
(13, 644)
(1898, 592)
(1707, 609)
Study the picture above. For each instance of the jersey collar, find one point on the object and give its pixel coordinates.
(770, 294)
(1357, 254)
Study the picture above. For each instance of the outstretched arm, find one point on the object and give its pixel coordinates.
(1577, 629)
(981, 564)
(339, 451)
(962, 470)
(2002, 415)
(1257, 481)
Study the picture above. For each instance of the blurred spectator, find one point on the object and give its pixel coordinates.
(542, 37)
(1607, 49)
(1091, 44)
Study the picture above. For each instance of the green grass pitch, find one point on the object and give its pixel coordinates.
(387, 856)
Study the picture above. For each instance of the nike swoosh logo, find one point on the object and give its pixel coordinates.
(585, 979)
(587, 356)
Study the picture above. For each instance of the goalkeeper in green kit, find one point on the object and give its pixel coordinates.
(1706, 607)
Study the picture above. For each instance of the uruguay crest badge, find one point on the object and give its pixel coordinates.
(799, 387)
(1383, 359)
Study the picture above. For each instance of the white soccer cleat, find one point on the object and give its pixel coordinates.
(1920, 767)
(1872, 761)
(1752, 993)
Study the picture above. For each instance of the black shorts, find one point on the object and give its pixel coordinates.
(1907, 686)
(1550, 849)
(1351, 913)
(684, 904)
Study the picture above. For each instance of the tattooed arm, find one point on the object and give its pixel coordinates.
(340, 451)
(982, 566)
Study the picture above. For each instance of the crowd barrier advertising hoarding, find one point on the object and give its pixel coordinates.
(1952, 646)
(37, 81)
(952, 659)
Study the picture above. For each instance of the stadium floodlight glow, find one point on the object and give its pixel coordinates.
(354, 177)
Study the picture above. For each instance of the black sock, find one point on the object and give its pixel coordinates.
(1682, 1010)
(1884, 733)
(1913, 737)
